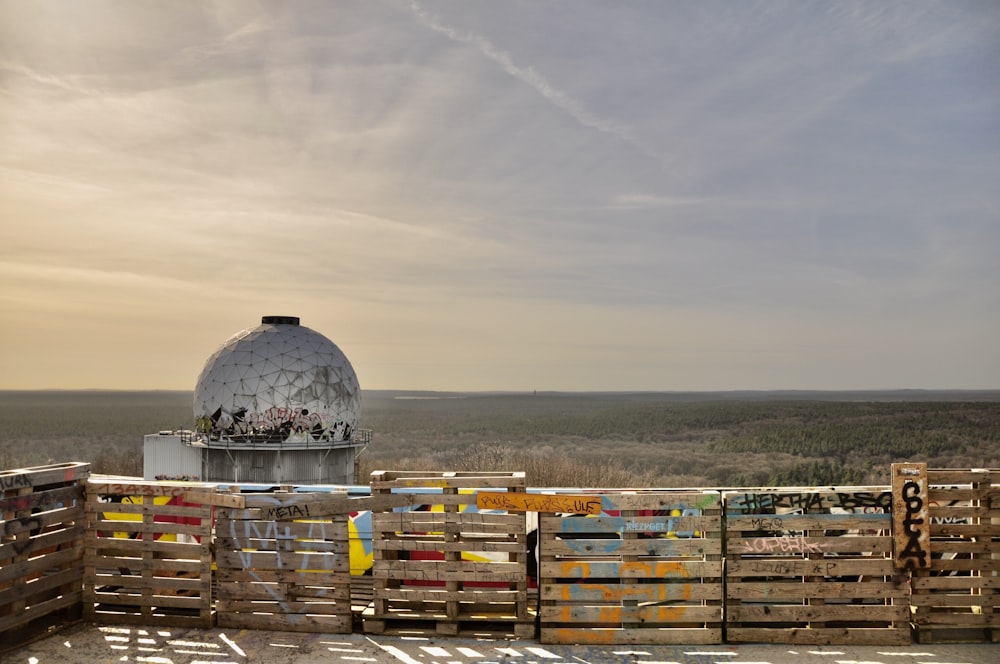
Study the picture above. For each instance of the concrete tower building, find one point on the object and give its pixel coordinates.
(275, 404)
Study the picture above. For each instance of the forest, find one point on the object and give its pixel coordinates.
(568, 439)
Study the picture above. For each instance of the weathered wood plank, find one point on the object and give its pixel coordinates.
(99, 486)
(471, 546)
(679, 526)
(802, 522)
(771, 613)
(623, 592)
(637, 569)
(819, 636)
(657, 547)
(535, 502)
(631, 636)
(266, 560)
(659, 501)
(827, 567)
(424, 594)
(33, 546)
(42, 501)
(956, 583)
(649, 615)
(39, 610)
(41, 476)
(801, 590)
(21, 571)
(798, 545)
(490, 572)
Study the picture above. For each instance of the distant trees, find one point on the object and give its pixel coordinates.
(638, 440)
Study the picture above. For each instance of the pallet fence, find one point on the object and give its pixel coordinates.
(283, 573)
(815, 567)
(148, 555)
(958, 597)
(647, 569)
(447, 567)
(41, 546)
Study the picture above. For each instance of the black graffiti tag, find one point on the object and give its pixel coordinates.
(913, 556)
(30, 523)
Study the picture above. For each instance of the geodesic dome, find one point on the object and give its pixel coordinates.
(275, 383)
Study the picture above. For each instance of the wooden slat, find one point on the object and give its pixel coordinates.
(41, 546)
(649, 615)
(39, 476)
(819, 636)
(799, 564)
(632, 636)
(127, 579)
(283, 574)
(958, 598)
(650, 572)
(449, 528)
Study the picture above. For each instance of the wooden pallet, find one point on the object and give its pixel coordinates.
(648, 570)
(958, 598)
(290, 575)
(814, 567)
(148, 557)
(41, 546)
(444, 566)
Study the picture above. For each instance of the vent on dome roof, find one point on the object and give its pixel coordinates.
(279, 320)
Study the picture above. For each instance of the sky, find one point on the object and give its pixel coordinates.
(566, 195)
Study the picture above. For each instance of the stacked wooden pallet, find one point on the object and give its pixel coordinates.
(647, 569)
(958, 598)
(41, 545)
(148, 556)
(813, 567)
(444, 566)
(282, 573)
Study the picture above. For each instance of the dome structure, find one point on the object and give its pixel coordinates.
(279, 382)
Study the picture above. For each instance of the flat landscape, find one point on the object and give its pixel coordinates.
(661, 439)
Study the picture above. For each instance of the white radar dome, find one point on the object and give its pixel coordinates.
(278, 382)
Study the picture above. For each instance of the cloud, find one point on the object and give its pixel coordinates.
(535, 80)
(499, 185)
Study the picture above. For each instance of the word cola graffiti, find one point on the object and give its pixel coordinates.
(913, 555)
(910, 515)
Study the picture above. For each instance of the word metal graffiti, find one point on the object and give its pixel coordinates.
(285, 512)
(528, 502)
(910, 516)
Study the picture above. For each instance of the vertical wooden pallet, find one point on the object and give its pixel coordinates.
(648, 570)
(290, 575)
(813, 567)
(148, 557)
(958, 598)
(446, 567)
(41, 545)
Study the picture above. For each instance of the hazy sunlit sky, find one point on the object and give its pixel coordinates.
(567, 195)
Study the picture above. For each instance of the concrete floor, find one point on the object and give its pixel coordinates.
(88, 643)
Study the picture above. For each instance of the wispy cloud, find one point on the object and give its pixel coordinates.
(538, 82)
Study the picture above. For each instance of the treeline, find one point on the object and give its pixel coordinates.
(717, 443)
(639, 439)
